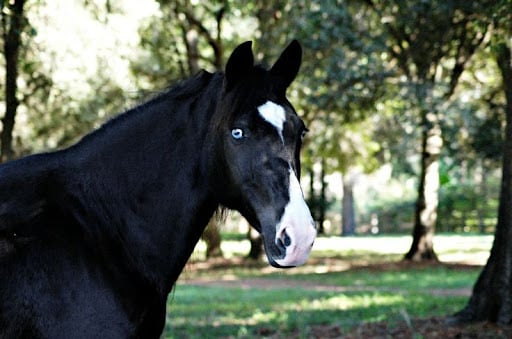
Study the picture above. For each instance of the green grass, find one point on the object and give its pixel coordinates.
(377, 292)
(215, 312)
(415, 280)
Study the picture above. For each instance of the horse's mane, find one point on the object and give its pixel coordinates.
(182, 90)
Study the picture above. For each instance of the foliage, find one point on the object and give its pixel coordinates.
(342, 78)
(394, 215)
(71, 71)
(184, 37)
(462, 209)
(356, 93)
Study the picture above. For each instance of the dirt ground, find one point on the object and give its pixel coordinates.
(434, 327)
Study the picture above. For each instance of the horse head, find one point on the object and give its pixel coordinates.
(257, 166)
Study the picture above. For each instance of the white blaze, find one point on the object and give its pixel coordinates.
(298, 225)
(273, 114)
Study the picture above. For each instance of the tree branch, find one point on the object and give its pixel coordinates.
(463, 54)
(207, 35)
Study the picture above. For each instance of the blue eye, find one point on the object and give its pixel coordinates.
(303, 135)
(237, 133)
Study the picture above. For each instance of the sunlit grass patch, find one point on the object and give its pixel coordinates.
(470, 248)
(219, 312)
(413, 279)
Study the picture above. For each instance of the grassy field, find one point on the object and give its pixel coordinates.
(347, 283)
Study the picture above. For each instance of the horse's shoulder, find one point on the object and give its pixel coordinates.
(23, 200)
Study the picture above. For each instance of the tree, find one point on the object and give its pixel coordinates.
(431, 43)
(491, 298)
(348, 221)
(13, 24)
(341, 79)
(62, 92)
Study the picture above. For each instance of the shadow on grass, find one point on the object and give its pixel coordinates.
(233, 312)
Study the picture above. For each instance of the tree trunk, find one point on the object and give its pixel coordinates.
(212, 238)
(12, 25)
(491, 299)
(348, 219)
(483, 193)
(190, 38)
(428, 192)
(322, 206)
(256, 241)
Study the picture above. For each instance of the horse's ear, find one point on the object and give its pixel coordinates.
(239, 64)
(287, 66)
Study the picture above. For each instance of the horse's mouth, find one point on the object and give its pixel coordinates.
(273, 251)
(276, 265)
(283, 251)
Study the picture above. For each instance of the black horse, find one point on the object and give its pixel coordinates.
(93, 237)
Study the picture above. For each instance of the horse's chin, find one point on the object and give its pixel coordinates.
(273, 263)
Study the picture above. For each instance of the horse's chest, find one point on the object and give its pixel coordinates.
(57, 296)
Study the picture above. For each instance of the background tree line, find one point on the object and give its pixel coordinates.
(422, 87)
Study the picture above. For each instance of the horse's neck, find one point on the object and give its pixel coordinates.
(144, 181)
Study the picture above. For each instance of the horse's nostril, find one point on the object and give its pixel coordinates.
(286, 239)
(280, 243)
